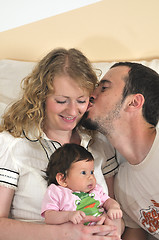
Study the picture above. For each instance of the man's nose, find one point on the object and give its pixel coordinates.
(94, 95)
(91, 99)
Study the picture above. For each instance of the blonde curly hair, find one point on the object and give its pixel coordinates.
(29, 111)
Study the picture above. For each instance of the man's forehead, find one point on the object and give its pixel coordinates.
(119, 72)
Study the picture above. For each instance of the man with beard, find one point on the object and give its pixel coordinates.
(125, 109)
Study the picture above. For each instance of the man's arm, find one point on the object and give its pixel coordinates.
(110, 185)
(134, 234)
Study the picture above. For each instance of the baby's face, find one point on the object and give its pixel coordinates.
(81, 176)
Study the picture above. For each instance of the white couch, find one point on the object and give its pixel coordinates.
(12, 72)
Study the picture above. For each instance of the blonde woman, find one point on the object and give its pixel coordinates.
(54, 98)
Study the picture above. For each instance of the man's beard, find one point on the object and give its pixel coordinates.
(88, 123)
(103, 124)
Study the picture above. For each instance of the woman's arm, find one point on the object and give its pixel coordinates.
(17, 230)
(12, 229)
(6, 196)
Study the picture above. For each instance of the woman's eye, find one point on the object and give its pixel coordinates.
(60, 102)
(79, 101)
(83, 172)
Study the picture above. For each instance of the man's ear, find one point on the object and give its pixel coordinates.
(136, 101)
(61, 180)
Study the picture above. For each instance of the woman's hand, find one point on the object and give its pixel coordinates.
(83, 232)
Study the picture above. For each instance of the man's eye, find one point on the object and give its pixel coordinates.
(103, 88)
(83, 172)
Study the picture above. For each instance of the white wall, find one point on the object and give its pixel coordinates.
(19, 12)
(104, 31)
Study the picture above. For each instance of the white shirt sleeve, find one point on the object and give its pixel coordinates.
(8, 170)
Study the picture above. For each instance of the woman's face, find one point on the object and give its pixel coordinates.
(66, 105)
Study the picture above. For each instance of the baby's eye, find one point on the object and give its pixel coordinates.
(92, 172)
(83, 172)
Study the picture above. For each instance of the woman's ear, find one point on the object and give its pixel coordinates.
(136, 101)
(61, 180)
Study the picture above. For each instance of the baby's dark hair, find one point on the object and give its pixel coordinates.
(62, 158)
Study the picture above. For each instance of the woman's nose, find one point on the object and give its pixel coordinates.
(72, 109)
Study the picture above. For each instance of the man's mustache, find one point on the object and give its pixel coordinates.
(87, 123)
(83, 119)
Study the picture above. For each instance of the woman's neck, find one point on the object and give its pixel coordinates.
(63, 136)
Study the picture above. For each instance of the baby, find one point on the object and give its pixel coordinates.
(72, 191)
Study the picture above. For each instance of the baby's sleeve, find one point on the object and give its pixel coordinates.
(102, 195)
(51, 200)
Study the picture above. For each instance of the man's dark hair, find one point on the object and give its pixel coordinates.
(63, 157)
(143, 80)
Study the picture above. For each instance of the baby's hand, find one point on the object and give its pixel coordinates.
(76, 216)
(114, 213)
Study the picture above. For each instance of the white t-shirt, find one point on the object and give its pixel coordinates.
(23, 164)
(137, 190)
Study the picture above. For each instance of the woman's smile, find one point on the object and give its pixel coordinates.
(66, 105)
(68, 119)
